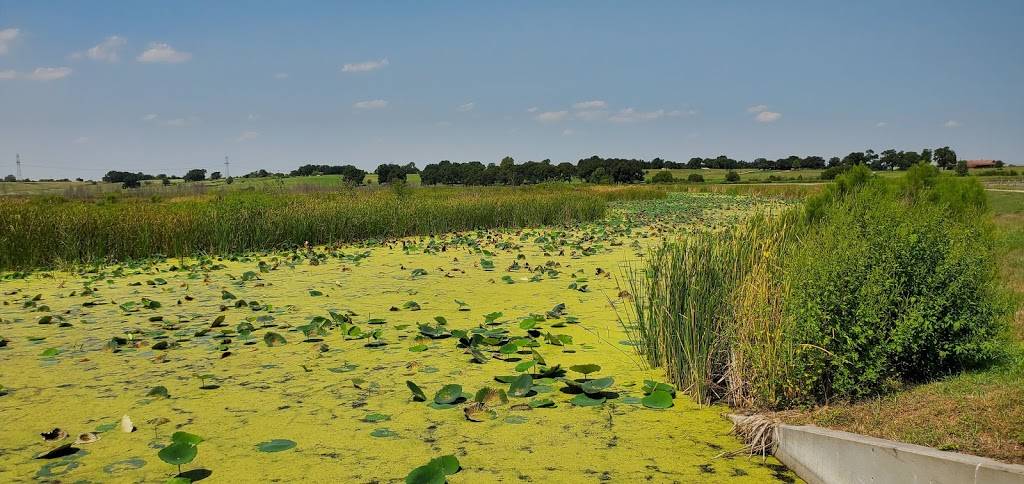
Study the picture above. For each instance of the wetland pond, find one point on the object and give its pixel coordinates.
(295, 365)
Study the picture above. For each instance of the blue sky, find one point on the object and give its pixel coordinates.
(165, 86)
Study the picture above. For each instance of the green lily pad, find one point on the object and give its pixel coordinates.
(273, 339)
(376, 417)
(383, 432)
(159, 391)
(583, 400)
(586, 369)
(448, 394)
(657, 399)
(520, 387)
(276, 445)
(178, 453)
(597, 386)
(417, 392)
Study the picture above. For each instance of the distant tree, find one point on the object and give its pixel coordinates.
(215, 175)
(694, 163)
(165, 182)
(599, 175)
(195, 174)
(945, 158)
(387, 173)
(131, 181)
(695, 178)
(663, 176)
(10, 178)
(732, 177)
(229, 180)
(1000, 164)
(961, 168)
(926, 156)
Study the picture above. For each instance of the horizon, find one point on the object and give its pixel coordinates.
(169, 87)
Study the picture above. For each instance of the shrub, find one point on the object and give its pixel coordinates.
(695, 178)
(663, 176)
(731, 176)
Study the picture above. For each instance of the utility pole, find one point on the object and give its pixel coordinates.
(227, 168)
(17, 161)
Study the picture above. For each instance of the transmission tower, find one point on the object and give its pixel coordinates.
(17, 161)
(227, 168)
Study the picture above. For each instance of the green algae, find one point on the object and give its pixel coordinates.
(330, 385)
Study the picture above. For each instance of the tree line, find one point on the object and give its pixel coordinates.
(594, 169)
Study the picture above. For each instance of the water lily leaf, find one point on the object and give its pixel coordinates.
(49, 352)
(159, 391)
(276, 445)
(478, 412)
(273, 339)
(178, 453)
(186, 438)
(520, 387)
(491, 397)
(541, 403)
(382, 432)
(582, 400)
(525, 365)
(417, 392)
(598, 385)
(418, 348)
(657, 399)
(435, 471)
(448, 394)
(508, 349)
(650, 386)
(376, 417)
(586, 369)
(226, 295)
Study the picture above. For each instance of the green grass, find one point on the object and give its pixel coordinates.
(47, 232)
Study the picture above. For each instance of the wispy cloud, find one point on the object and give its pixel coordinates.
(247, 136)
(532, 109)
(372, 104)
(594, 104)
(367, 66)
(7, 37)
(465, 108)
(591, 115)
(39, 74)
(107, 51)
(48, 73)
(881, 124)
(767, 117)
(552, 116)
(150, 117)
(758, 108)
(953, 124)
(630, 115)
(159, 52)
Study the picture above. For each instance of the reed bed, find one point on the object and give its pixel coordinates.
(50, 232)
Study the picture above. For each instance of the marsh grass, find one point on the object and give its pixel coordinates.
(48, 232)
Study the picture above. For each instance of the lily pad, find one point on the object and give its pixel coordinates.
(417, 392)
(448, 394)
(597, 386)
(583, 400)
(657, 399)
(276, 445)
(273, 339)
(520, 387)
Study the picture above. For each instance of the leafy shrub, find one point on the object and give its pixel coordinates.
(732, 177)
(662, 177)
(887, 289)
(695, 178)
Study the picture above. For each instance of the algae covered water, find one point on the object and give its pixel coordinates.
(295, 365)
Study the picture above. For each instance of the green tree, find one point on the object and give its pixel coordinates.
(945, 158)
(731, 176)
(961, 168)
(662, 176)
(195, 174)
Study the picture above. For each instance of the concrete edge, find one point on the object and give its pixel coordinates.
(820, 455)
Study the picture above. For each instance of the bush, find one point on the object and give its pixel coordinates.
(662, 177)
(695, 178)
(887, 289)
(732, 177)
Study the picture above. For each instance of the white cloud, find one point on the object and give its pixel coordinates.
(373, 104)
(881, 124)
(163, 53)
(281, 75)
(7, 75)
(952, 124)
(81, 140)
(594, 104)
(367, 66)
(757, 109)
(108, 51)
(552, 116)
(7, 36)
(767, 117)
(465, 108)
(48, 73)
(149, 117)
(532, 109)
(630, 115)
(247, 136)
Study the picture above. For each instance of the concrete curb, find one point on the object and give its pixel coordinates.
(823, 456)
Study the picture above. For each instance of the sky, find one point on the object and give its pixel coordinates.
(162, 86)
